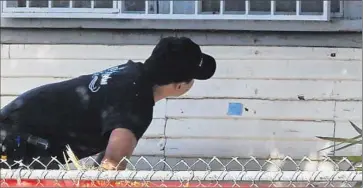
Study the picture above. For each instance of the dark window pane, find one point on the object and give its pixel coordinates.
(81, 4)
(285, 5)
(38, 3)
(211, 6)
(260, 5)
(103, 3)
(16, 3)
(159, 7)
(335, 6)
(60, 3)
(234, 5)
(315, 6)
(183, 7)
(134, 5)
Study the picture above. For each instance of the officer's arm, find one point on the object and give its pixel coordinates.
(121, 143)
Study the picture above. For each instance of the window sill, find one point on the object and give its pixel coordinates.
(335, 25)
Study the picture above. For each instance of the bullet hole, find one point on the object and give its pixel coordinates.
(246, 109)
(332, 54)
(301, 97)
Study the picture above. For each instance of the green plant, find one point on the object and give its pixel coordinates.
(343, 143)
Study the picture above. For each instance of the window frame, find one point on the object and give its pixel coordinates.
(117, 12)
(51, 10)
(332, 14)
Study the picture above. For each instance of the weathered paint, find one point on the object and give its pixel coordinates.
(227, 69)
(4, 51)
(277, 89)
(351, 110)
(219, 52)
(262, 130)
(257, 109)
(231, 88)
(153, 146)
(278, 84)
(156, 129)
(241, 148)
(343, 129)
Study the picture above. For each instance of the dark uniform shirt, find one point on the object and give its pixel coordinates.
(83, 111)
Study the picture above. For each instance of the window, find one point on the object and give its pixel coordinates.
(60, 3)
(176, 9)
(279, 7)
(59, 6)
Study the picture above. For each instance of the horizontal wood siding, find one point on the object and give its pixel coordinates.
(287, 95)
(20, 51)
(230, 88)
(266, 69)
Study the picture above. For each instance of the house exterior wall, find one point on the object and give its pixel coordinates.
(287, 95)
(351, 20)
(310, 86)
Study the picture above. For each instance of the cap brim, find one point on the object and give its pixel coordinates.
(207, 68)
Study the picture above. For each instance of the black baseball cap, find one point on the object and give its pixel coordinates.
(176, 59)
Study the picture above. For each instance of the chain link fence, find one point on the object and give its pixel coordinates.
(212, 172)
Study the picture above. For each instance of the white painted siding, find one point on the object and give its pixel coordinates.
(267, 81)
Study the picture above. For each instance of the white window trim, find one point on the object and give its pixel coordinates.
(51, 11)
(117, 13)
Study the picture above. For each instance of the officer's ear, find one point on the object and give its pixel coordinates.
(177, 86)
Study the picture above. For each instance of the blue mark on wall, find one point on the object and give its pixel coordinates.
(235, 109)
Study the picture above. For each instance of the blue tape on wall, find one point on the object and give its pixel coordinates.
(235, 109)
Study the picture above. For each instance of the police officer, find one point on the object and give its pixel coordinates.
(106, 111)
